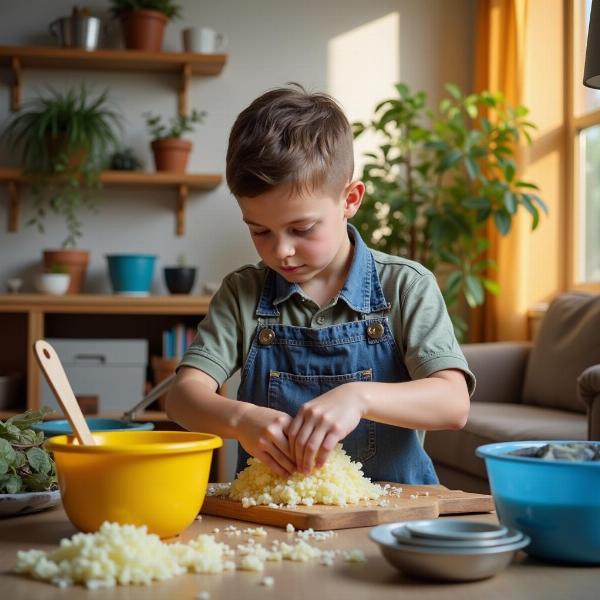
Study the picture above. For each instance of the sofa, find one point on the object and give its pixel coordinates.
(548, 389)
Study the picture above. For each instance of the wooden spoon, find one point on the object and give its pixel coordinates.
(57, 379)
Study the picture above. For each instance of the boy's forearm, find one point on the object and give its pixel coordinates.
(197, 408)
(428, 404)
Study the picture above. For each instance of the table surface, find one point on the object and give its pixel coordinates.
(376, 579)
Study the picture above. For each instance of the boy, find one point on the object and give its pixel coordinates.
(336, 343)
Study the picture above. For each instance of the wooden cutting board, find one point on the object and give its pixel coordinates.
(440, 501)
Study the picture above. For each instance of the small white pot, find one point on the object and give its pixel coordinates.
(56, 284)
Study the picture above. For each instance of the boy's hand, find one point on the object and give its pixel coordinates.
(262, 435)
(320, 424)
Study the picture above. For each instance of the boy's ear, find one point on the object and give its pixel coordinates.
(353, 195)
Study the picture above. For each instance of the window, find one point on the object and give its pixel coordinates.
(584, 106)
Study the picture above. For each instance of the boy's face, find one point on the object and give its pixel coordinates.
(302, 236)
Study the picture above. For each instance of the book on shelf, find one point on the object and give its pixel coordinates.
(176, 340)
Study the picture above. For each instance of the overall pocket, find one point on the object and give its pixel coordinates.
(288, 392)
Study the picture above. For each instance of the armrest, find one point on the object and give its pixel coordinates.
(499, 368)
(589, 392)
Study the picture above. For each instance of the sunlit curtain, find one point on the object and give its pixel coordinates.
(499, 66)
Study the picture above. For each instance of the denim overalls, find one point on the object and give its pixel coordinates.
(288, 366)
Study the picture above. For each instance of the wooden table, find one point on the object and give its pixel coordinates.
(375, 579)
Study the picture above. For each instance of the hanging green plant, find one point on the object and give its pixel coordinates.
(437, 178)
(64, 140)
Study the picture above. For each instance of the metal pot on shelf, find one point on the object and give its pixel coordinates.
(80, 30)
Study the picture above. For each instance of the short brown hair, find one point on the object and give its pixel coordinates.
(289, 136)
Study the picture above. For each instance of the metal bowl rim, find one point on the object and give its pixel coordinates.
(496, 531)
(473, 551)
(512, 536)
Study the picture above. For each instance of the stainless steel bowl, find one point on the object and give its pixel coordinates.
(448, 564)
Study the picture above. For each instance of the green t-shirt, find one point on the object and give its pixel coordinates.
(418, 319)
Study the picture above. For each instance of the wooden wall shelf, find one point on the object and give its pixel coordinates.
(36, 307)
(185, 64)
(182, 182)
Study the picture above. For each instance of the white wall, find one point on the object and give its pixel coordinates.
(353, 49)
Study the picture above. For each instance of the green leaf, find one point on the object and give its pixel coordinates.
(472, 168)
(28, 418)
(471, 110)
(474, 202)
(510, 202)
(454, 90)
(449, 159)
(7, 455)
(491, 286)
(526, 184)
(453, 282)
(503, 221)
(38, 460)
(509, 170)
(474, 293)
(533, 211)
(38, 482)
(11, 484)
(403, 90)
(541, 203)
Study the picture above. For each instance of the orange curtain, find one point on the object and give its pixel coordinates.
(499, 67)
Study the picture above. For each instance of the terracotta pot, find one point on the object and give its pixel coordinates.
(78, 156)
(171, 154)
(144, 29)
(75, 263)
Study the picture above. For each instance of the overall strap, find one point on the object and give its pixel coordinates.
(266, 312)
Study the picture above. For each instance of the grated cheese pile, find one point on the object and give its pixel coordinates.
(122, 554)
(126, 554)
(339, 481)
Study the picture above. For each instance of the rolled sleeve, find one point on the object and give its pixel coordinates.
(427, 334)
(216, 349)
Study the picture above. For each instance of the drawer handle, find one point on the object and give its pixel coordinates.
(96, 358)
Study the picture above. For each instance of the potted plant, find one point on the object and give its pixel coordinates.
(438, 178)
(180, 278)
(143, 21)
(54, 280)
(64, 139)
(171, 153)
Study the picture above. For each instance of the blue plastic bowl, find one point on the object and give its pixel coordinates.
(62, 426)
(131, 273)
(555, 502)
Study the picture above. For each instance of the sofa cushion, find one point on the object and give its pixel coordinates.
(491, 422)
(566, 344)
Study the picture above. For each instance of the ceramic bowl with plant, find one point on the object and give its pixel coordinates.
(143, 22)
(171, 153)
(28, 480)
(54, 280)
(180, 278)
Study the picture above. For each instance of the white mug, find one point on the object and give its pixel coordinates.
(203, 40)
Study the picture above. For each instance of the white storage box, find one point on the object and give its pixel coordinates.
(112, 370)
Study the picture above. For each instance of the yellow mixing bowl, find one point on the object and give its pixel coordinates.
(153, 478)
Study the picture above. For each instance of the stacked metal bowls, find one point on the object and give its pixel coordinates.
(448, 549)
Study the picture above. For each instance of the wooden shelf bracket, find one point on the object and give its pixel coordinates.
(182, 195)
(186, 75)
